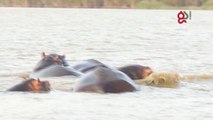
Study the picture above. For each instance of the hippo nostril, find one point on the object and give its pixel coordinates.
(46, 86)
(47, 89)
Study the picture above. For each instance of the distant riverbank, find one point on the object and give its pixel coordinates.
(176, 4)
(132, 4)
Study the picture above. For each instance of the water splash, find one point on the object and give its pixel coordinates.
(171, 80)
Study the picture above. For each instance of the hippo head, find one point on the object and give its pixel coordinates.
(145, 72)
(37, 85)
(136, 72)
(33, 85)
(51, 59)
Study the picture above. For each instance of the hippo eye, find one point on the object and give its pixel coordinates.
(49, 59)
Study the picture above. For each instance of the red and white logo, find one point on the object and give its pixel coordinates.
(183, 16)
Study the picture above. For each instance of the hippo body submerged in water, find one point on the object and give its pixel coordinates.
(105, 80)
(53, 65)
(32, 85)
(133, 71)
(88, 65)
(136, 72)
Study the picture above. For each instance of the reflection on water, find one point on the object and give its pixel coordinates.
(116, 37)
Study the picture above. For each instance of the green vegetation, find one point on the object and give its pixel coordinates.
(147, 4)
(141, 4)
(70, 3)
(208, 5)
(175, 4)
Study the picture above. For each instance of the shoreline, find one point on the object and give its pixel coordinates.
(175, 8)
(112, 4)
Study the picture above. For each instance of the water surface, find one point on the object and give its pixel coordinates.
(115, 37)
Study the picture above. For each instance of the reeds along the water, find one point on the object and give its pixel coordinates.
(171, 80)
(147, 4)
(71, 3)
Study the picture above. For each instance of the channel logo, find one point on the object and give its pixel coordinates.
(183, 16)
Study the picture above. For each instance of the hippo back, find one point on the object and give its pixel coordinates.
(105, 80)
(55, 71)
(20, 87)
(87, 65)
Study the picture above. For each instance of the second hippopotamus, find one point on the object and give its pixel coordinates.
(53, 65)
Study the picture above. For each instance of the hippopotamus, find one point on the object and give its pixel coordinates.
(51, 59)
(53, 65)
(32, 85)
(88, 65)
(105, 80)
(136, 72)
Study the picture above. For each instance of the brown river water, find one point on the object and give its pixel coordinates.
(115, 37)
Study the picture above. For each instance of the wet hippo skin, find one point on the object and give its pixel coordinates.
(105, 80)
(88, 65)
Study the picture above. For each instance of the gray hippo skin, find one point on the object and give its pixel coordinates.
(53, 65)
(105, 80)
(55, 71)
(88, 65)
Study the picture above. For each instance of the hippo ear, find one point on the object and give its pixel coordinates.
(43, 55)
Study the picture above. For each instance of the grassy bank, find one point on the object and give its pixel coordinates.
(71, 3)
(139, 4)
(176, 4)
